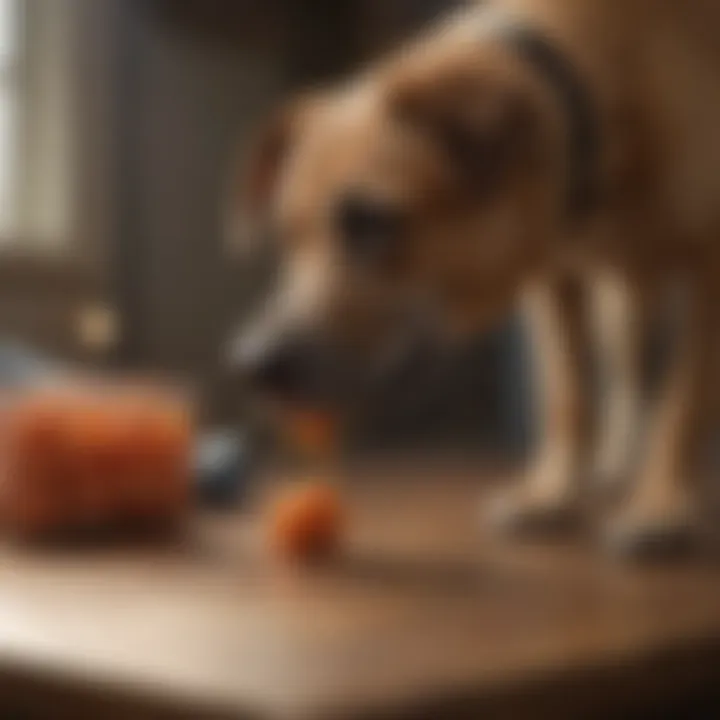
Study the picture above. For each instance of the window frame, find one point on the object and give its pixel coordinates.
(74, 275)
(85, 247)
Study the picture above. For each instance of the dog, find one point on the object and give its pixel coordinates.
(520, 152)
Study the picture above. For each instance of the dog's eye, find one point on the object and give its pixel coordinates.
(368, 228)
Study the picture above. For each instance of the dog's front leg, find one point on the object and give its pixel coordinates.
(548, 493)
(661, 511)
(620, 313)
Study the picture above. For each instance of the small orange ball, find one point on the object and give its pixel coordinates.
(307, 521)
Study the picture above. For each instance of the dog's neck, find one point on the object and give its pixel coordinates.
(555, 69)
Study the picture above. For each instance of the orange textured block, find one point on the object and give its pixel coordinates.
(307, 521)
(91, 458)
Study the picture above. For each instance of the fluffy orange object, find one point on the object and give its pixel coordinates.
(307, 521)
(80, 458)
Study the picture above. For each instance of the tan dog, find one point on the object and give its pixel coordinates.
(517, 147)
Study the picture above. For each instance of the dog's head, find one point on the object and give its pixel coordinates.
(427, 188)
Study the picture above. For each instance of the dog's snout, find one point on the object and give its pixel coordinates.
(278, 371)
(284, 366)
(264, 365)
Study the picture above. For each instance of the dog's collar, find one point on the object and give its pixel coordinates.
(578, 106)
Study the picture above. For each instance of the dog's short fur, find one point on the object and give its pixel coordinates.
(437, 181)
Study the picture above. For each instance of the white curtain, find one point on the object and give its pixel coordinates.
(43, 173)
(56, 87)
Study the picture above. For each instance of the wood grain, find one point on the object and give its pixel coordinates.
(422, 616)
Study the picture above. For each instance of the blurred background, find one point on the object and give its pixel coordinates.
(119, 121)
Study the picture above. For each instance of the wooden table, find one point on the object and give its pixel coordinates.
(424, 616)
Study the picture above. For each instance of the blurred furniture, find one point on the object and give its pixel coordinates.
(423, 617)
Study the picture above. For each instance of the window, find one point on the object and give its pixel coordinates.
(36, 99)
(57, 166)
(9, 55)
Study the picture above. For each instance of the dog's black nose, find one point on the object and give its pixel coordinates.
(275, 370)
(278, 372)
(282, 367)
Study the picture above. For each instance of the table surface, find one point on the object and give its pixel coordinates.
(422, 613)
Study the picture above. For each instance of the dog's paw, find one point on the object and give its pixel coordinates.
(646, 528)
(531, 508)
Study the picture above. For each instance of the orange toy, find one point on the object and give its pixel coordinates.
(88, 457)
(312, 432)
(307, 521)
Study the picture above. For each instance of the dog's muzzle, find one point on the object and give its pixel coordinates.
(288, 367)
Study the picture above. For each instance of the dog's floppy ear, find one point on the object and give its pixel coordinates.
(485, 127)
(254, 179)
